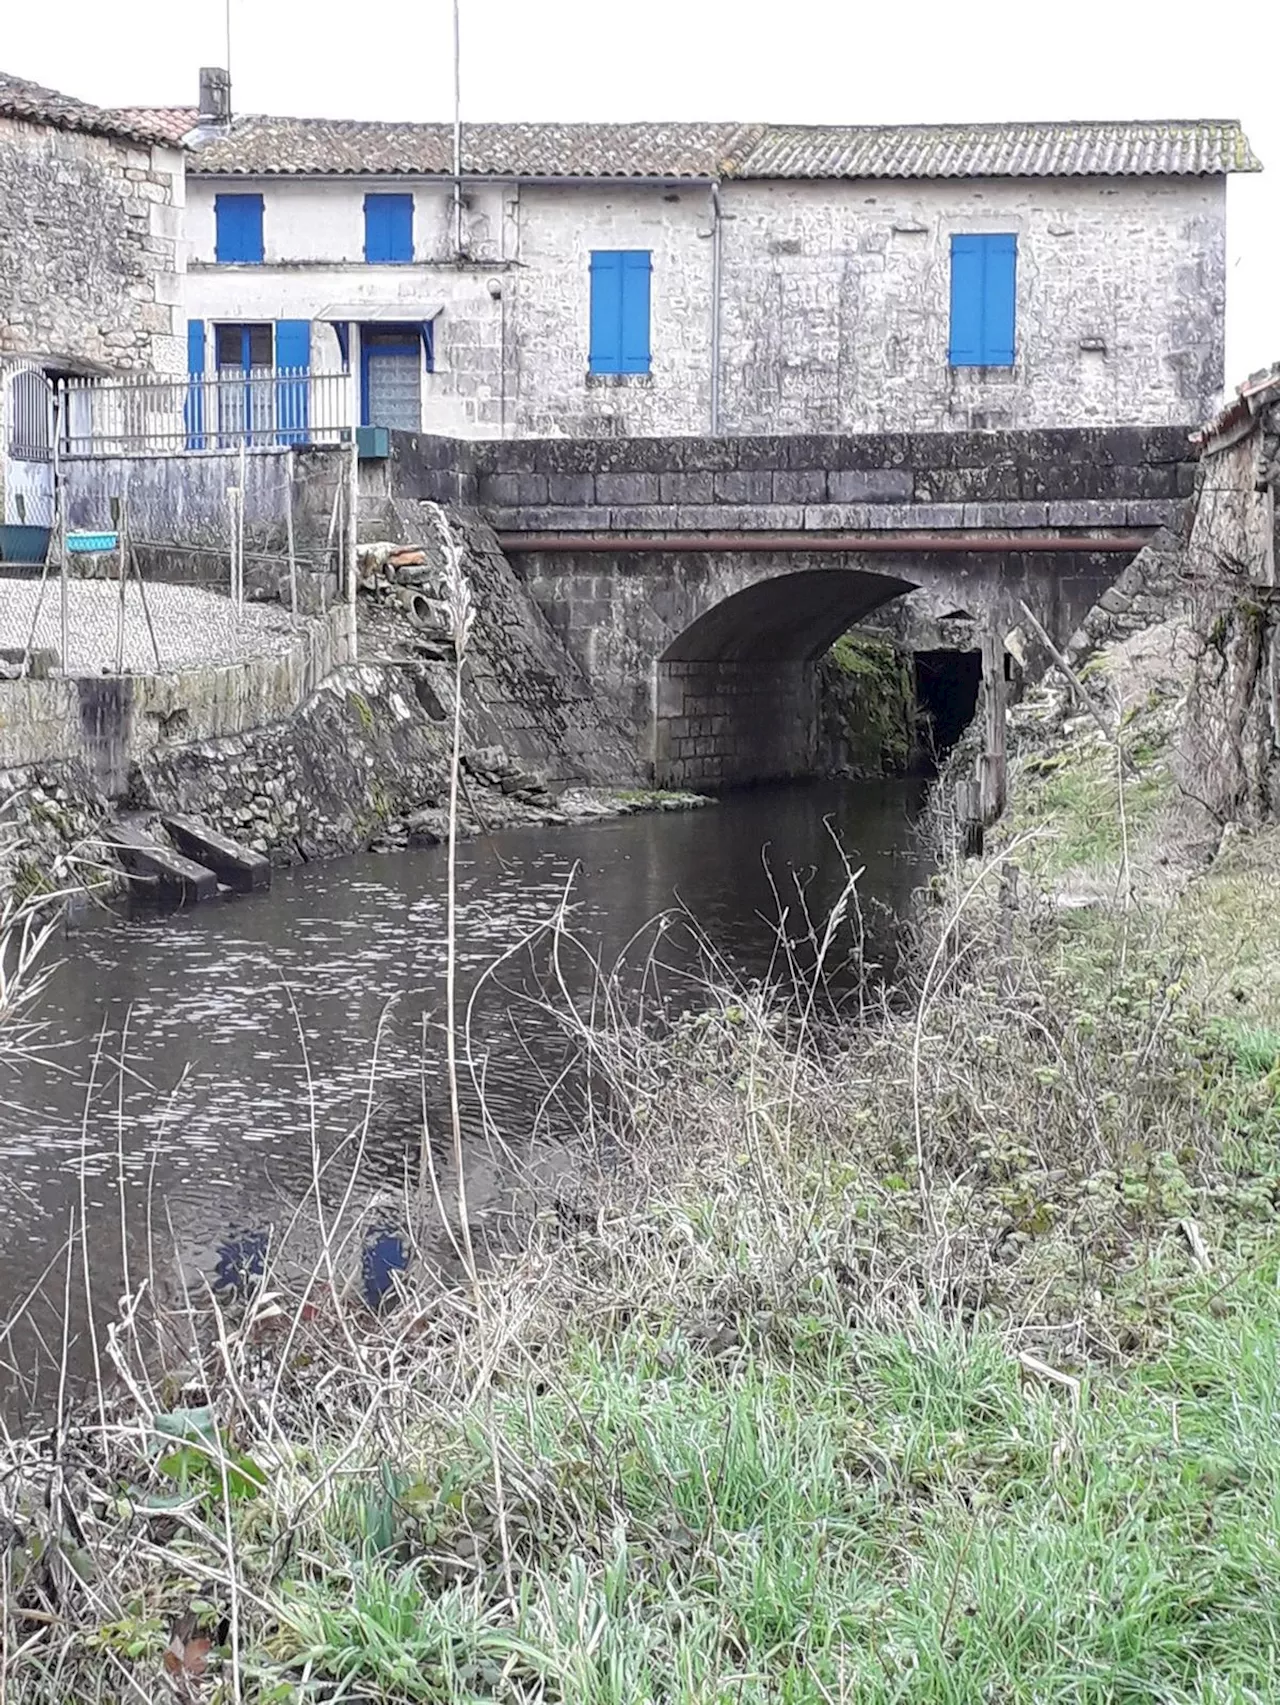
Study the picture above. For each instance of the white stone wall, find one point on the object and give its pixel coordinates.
(313, 241)
(550, 318)
(834, 300)
(310, 221)
(837, 303)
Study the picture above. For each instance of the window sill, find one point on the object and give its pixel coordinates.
(614, 381)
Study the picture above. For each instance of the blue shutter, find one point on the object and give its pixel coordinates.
(238, 225)
(637, 267)
(400, 229)
(983, 300)
(966, 302)
(999, 300)
(606, 311)
(293, 355)
(374, 229)
(195, 390)
(293, 344)
(388, 230)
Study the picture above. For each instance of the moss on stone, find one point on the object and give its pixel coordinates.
(869, 715)
(362, 708)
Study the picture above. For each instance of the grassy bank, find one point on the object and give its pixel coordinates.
(927, 1356)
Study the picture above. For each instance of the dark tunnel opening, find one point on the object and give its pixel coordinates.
(948, 685)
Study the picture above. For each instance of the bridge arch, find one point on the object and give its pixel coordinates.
(735, 694)
(710, 654)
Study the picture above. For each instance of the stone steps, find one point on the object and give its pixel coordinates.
(198, 865)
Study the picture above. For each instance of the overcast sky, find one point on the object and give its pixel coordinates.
(801, 61)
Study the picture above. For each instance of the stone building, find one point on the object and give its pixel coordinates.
(660, 279)
(91, 262)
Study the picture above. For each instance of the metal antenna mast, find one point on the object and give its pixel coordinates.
(457, 130)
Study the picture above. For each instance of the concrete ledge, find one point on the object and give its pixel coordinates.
(238, 867)
(180, 879)
(108, 722)
(877, 516)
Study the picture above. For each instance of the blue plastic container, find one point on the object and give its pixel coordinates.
(23, 544)
(84, 544)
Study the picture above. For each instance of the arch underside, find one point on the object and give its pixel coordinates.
(791, 618)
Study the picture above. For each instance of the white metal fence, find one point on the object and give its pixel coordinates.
(261, 406)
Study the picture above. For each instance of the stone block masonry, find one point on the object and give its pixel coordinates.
(1089, 477)
(108, 723)
(733, 632)
(727, 724)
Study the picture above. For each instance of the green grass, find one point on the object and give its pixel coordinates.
(858, 1515)
(755, 1429)
(1076, 795)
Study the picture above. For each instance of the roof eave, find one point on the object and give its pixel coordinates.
(699, 181)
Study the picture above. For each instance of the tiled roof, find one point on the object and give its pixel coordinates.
(1164, 148)
(258, 146)
(172, 123)
(1236, 418)
(38, 105)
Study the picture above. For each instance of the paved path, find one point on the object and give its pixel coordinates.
(193, 625)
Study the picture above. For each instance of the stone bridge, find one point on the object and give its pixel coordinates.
(698, 580)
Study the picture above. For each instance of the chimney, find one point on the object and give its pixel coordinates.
(215, 95)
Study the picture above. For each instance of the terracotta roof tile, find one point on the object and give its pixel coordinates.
(20, 98)
(1159, 148)
(256, 146)
(173, 123)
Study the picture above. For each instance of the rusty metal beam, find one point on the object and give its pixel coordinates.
(948, 543)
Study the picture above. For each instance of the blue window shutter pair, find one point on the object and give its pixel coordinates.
(238, 227)
(620, 310)
(984, 284)
(388, 230)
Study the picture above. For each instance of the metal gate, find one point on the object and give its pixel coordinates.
(27, 415)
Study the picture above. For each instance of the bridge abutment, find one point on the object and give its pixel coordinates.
(720, 724)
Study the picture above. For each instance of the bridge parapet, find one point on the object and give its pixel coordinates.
(1071, 479)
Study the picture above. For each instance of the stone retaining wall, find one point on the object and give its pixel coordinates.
(108, 723)
(726, 724)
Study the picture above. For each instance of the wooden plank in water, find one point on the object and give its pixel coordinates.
(180, 879)
(238, 866)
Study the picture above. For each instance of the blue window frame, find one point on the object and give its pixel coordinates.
(238, 227)
(388, 230)
(620, 310)
(414, 344)
(984, 293)
(242, 349)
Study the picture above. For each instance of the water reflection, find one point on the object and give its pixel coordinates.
(216, 1062)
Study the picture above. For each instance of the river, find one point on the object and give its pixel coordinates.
(197, 1067)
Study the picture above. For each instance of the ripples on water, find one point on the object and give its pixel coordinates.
(247, 1025)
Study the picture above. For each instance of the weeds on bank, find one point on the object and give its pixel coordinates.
(744, 1424)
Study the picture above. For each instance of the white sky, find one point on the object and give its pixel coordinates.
(801, 61)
